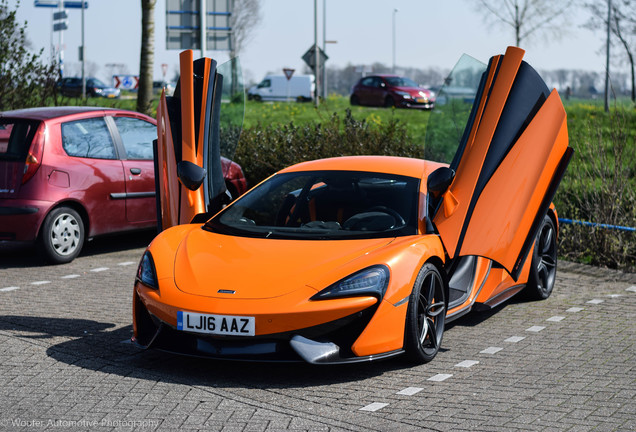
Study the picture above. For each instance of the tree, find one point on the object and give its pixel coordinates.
(25, 79)
(147, 56)
(527, 17)
(622, 27)
(246, 15)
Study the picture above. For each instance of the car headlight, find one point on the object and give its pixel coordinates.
(405, 95)
(146, 273)
(98, 90)
(370, 281)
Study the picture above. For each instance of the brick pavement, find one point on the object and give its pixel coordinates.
(63, 364)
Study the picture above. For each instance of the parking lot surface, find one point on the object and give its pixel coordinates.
(566, 363)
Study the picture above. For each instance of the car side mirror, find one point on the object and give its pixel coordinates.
(190, 175)
(439, 180)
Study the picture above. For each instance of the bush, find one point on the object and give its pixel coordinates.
(264, 150)
(25, 80)
(600, 186)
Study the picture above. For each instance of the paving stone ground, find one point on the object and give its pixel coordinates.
(64, 364)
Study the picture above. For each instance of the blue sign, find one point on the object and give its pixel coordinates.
(56, 4)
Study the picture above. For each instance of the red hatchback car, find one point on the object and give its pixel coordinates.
(391, 91)
(71, 173)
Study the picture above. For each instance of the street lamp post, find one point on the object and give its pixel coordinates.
(394, 13)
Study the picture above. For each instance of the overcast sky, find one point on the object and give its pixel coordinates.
(428, 33)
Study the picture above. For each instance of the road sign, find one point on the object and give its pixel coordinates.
(126, 82)
(56, 4)
(310, 56)
(62, 25)
(183, 24)
(60, 15)
(288, 73)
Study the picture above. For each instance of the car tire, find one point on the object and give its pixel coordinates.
(257, 98)
(426, 315)
(62, 235)
(544, 262)
(353, 100)
(389, 102)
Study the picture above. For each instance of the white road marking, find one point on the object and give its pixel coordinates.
(71, 276)
(631, 289)
(99, 269)
(595, 301)
(127, 263)
(410, 391)
(535, 329)
(575, 309)
(374, 406)
(40, 282)
(467, 363)
(7, 289)
(491, 350)
(615, 295)
(515, 339)
(556, 318)
(440, 377)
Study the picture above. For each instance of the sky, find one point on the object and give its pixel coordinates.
(429, 33)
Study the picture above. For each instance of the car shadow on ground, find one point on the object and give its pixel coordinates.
(95, 345)
(20, 256)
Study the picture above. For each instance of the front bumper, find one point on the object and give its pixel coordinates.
(326, 343)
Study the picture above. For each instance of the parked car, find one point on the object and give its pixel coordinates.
(159, 86)
(358, 258)
(278, 88)
(71, 173)
(391, 91)
(94, 88)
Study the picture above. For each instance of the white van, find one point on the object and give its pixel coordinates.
(279, 88)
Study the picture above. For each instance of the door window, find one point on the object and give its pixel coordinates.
(137, 136)
(89, 138)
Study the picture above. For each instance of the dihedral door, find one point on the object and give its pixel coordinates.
(510, 161)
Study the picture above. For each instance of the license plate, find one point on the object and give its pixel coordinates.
(215, 324)
(420, 100)
(111, 96)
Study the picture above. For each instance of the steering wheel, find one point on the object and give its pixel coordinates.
(398, 217)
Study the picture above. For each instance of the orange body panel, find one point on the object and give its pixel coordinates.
(384, 333)
(166, 161)
(462, 188)
(192, 202)
(497, 228)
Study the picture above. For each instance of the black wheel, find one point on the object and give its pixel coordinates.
(389, 102)
(257, 98)
(62, 235)
(544, 262)
(353, 100)
(425, 315)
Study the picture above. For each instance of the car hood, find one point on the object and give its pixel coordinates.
(257, 268)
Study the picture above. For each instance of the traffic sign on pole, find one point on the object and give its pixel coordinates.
(288, 73)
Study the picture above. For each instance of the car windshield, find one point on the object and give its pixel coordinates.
(321, 205)
(97, 83)
(401, 82)
(449, 118)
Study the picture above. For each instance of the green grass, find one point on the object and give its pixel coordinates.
(259, 114)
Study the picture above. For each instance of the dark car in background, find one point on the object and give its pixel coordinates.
(72, 86)
(72, 173)
(391, 91)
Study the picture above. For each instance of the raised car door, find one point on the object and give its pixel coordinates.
(188, 173)
(511, 158)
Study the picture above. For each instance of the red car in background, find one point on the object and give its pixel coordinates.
(71, 173)
(391, 91)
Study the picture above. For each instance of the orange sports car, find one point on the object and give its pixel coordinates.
(355, 258)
